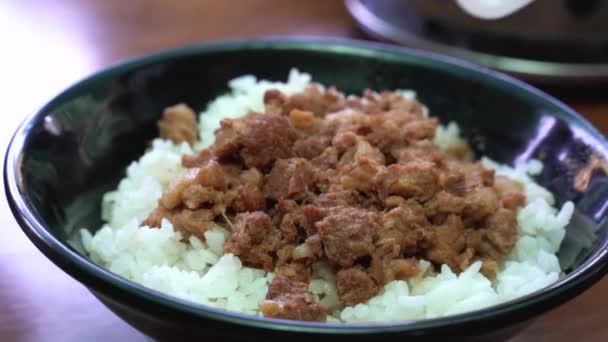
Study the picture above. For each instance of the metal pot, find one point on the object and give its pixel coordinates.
(547, 41)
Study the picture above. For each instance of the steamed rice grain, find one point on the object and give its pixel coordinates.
(199, 271)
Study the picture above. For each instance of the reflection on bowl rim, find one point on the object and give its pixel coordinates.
(102, 280)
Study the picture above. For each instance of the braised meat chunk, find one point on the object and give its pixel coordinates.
(347, 234)
(288, 299)
(414, 179)
(289, 178)
(355, 286)
(255, 240)
(259, 139)
(179, 124)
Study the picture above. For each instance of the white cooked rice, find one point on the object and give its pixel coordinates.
(198, 270)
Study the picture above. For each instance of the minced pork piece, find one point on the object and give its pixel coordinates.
(178, 124)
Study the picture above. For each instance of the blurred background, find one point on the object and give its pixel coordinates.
(46, 45)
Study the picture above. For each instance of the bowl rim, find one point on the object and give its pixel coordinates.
(96, 277)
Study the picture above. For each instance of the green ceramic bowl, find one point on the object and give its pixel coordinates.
(65, 156)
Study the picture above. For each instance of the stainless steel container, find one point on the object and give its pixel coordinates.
(549, 41)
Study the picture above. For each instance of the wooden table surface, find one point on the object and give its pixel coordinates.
(47, 44)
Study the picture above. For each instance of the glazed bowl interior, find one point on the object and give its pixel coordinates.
(65, 156)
